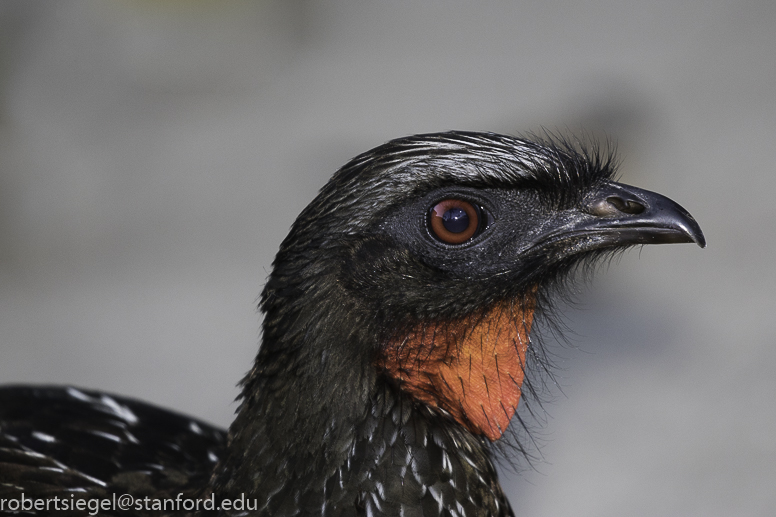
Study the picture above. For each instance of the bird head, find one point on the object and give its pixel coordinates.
(425, 260)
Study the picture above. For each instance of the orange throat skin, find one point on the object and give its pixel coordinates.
(472, 367)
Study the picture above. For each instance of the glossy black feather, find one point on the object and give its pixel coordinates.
(57, 441)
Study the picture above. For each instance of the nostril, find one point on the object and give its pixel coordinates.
(627, 206)
(615, 206)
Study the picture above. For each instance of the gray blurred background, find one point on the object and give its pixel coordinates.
(154, 154)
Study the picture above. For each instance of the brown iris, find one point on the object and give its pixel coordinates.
(454, 221)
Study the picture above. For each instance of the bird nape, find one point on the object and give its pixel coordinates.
(396, 337)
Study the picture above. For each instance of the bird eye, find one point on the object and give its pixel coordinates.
(454, 221)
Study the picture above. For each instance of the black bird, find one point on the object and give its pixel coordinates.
(395, 342)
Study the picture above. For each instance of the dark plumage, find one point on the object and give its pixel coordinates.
(395, 340)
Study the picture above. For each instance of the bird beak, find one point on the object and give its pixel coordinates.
(621, 215)
(636, 216)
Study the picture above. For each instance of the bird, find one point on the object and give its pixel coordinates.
(396, 344)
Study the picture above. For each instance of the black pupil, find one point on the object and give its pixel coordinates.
(455, 220)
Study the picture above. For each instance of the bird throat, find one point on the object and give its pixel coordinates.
(472, 367)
